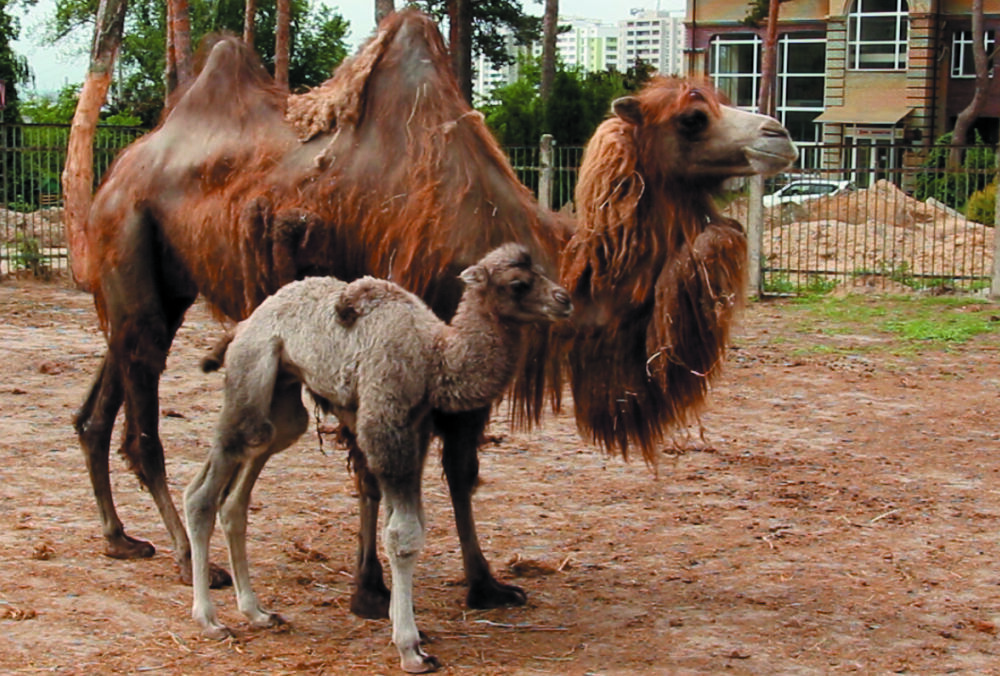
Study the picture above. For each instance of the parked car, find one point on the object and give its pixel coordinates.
(806, 189)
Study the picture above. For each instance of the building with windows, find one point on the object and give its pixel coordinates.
(860, 72)
(654, 37)
(657, 38)
(589, 43)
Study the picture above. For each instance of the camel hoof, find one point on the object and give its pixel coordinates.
(491, 593)
(217, 632)
(370, 604)
(127, 547)
(421, 664)
(217, 577)
(270, 620)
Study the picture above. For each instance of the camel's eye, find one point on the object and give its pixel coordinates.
(693, 122)
(519, 287)
(697, 95)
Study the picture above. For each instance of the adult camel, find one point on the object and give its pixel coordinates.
(384, 170)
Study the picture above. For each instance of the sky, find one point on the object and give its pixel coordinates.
(66, 62)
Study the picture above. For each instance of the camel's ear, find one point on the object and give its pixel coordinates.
(474, 275)
(627, 108)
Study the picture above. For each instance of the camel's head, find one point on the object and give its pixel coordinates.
(684, 132)
(515, 288)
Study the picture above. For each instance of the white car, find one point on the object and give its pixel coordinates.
(806, 189)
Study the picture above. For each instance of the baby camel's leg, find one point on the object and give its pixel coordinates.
(243, 435)
(201, 501)
(395, 453)
(290, 420)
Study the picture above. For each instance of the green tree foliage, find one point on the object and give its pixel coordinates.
(13, 68)
(317, 44)
(579, 103)
(491, 20)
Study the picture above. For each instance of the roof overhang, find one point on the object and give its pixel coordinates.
(869, 109)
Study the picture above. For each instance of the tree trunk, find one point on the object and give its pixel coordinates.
(178, 44)
(460, 44)
(383, 8)
(78, 174)
(550, 30)
(282, 43)
(249, 21)
(768, 67)
(969, 114)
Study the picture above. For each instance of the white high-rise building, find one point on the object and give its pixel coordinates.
(654, 37)
(589, 43)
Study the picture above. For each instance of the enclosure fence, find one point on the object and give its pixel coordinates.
(891, 215)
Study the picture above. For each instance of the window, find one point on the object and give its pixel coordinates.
(734, 64)
(877, 35)
(962, 63)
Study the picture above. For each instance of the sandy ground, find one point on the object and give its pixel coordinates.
(838, 512)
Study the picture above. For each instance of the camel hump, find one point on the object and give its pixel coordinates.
(362, 295)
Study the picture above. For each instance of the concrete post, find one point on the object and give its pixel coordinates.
(545, 170)
(995, 274)
(755, 235)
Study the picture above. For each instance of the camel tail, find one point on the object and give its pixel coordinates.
(214, 360)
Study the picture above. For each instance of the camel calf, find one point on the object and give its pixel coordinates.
(375, 356)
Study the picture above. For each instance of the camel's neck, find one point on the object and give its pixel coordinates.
(479, 353)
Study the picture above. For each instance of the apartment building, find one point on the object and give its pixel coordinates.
(657, 38)
(864, 72)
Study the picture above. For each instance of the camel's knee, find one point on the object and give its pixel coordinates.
(403, 534)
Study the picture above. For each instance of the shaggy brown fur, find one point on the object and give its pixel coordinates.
(385, 171)
(651, 245)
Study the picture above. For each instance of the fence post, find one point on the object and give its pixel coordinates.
(995, 273)
(755, 235)
(545, 170)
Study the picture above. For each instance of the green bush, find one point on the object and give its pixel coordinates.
(981, 207)
(954, 187)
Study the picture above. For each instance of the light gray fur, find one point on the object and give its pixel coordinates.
(381, 361)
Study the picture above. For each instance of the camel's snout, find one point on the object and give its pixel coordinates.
(771, 128)
(562, 299)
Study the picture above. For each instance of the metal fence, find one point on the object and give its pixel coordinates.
(32, 156)
(880, 214)
(890, 216)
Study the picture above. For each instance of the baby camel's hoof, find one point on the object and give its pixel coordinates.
(270, 620)
(420, 664)
(217, 632)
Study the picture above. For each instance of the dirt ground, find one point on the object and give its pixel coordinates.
(840, 512)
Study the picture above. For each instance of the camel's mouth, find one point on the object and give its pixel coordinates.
(768, 162)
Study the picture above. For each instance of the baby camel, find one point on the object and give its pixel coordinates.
(375, 356)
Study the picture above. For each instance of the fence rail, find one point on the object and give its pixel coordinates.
(884, 214)
(32, 157)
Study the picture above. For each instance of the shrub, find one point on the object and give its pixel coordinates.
(981, 207)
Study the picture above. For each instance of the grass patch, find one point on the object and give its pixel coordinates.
(903, 324)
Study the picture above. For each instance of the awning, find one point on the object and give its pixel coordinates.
(865, 112)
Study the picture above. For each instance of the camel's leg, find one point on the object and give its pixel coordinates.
(94, 424)
(290, 420)
(245, 438)
(201, 501)
(371, 597)
(144, 312)
(403, 538)
(395, 453)
(461, 434)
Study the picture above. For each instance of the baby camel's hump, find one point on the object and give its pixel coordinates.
(369, 339)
